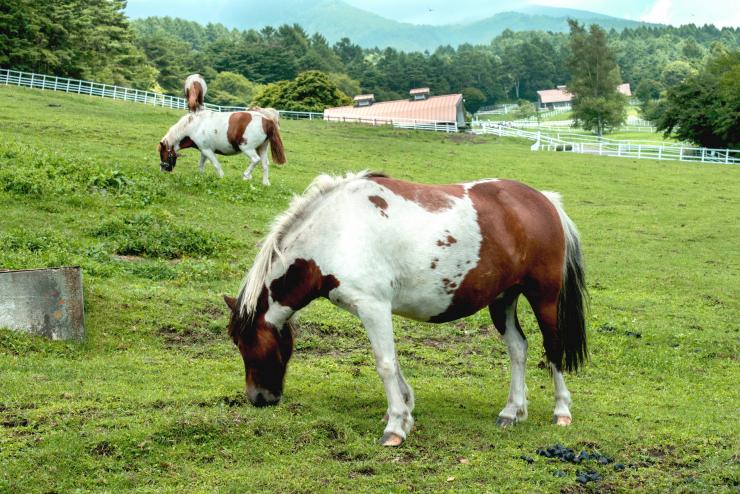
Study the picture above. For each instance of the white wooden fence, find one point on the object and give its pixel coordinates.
(96, 89)
(584, 144)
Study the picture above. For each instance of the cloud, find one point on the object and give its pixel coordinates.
(659, 13)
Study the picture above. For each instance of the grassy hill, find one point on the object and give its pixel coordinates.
(153, 400)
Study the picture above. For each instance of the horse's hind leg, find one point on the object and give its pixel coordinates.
(546, 310)
(254, 159)
(503, 314)
(262, 150)
(376, 317)
(202, 162)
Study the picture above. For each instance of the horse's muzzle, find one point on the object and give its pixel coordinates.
(166, 167)
(262, 399)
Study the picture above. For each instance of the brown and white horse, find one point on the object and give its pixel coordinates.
(376, 246)
(223, 133)
(195, 92)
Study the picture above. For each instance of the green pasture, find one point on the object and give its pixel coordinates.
(153, 400)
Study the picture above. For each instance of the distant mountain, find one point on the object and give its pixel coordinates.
(335, 19)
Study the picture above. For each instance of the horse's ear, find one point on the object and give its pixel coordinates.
(231, 302)
(160, 146)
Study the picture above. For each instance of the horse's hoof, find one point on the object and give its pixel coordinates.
(385, 417)
(266, 184)
(244, 177)
(391, 440)
(562, 420)
(505, 421)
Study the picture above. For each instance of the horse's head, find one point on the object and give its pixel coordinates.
(167, 157)
(265, 350)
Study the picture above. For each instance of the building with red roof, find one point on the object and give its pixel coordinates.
(560, 97)
(421, 107)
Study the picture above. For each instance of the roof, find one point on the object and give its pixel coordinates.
(561, 94)
(435, 108)
(554, 95)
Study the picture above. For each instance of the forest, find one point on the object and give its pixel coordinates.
(93, 39)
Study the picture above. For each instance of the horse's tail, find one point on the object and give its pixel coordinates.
(573, 300)
(276, 143)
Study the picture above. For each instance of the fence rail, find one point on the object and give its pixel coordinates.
(96, 89)
(583, 144)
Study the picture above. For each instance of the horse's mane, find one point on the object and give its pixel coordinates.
(271, 247)
(196, 77)
(178, 129)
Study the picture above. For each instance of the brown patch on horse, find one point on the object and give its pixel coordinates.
(379, 203)
(194, 95)
(433, 198)
(163, 150)
(522, 241)
(187, 142)
(447, 242)
(434, 263)
(301, 283)
(238, 122)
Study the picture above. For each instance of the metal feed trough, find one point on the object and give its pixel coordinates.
(45, 302)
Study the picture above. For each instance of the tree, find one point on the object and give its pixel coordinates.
(705, 108)
(474, 98)
(525, 109)
(675, 73)
(231, 89)
(77, 38)
(597, 105)
(310, 91)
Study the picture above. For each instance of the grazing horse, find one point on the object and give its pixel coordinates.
(195, 92)
(223, 133)
(376, 246)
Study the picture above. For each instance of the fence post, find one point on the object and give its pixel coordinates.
(31, 80)
(639, 151)
(680, 154)
(703, 150)
(660, 153)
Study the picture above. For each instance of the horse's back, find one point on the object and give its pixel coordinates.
(424, 246)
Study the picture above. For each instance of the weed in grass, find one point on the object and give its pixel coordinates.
(150, 235)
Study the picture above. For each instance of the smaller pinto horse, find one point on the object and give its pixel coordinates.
(375, 246)
(224, 133)
(195, 92)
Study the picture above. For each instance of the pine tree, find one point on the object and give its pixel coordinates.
(597, 105)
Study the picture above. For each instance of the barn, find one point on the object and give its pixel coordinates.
(420, 107)
(560, 97)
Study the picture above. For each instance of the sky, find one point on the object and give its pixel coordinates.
(719, 12)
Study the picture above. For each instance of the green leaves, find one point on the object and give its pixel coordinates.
(705, 107)
(597, 105)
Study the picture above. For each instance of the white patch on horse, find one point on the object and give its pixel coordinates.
(469, 185)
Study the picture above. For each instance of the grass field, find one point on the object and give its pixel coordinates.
(153, 400)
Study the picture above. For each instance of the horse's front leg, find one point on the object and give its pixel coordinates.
(212, 157)
(376, 318)
(202, 162)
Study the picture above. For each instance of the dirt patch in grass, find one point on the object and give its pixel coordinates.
(463, 137)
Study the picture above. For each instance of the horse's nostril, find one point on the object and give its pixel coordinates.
(259, 401)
